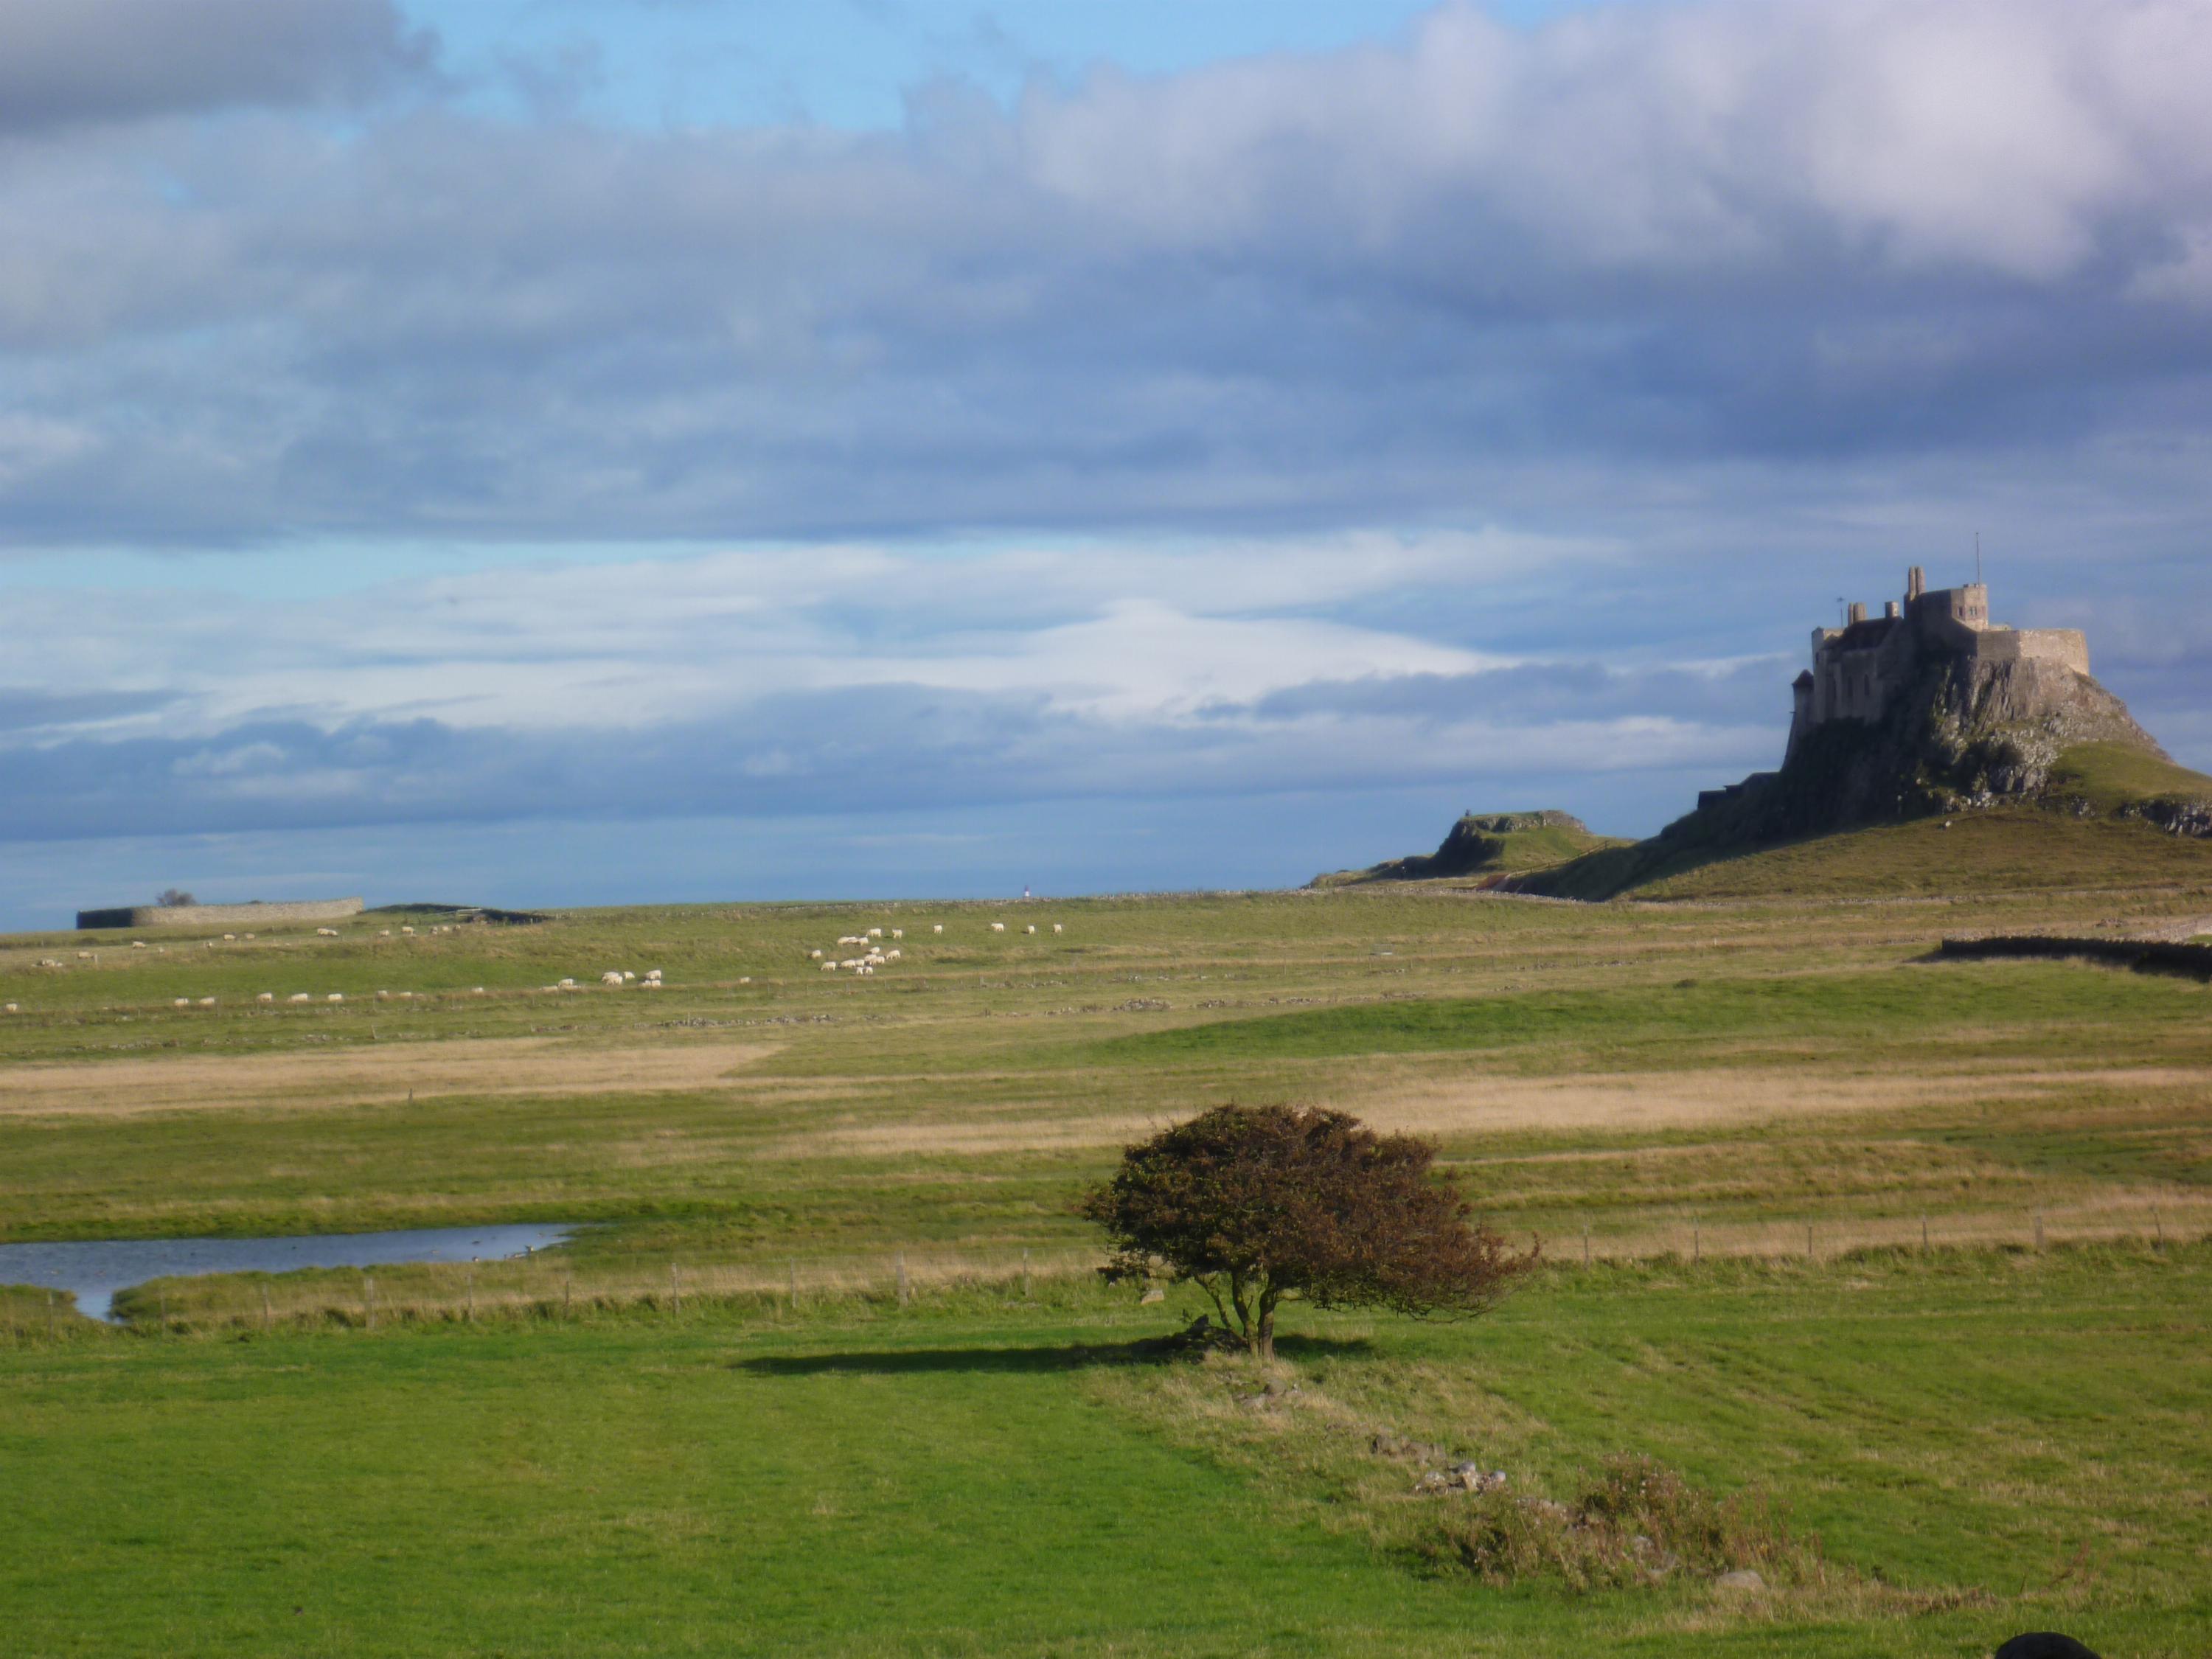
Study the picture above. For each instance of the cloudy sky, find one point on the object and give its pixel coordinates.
(566, 451)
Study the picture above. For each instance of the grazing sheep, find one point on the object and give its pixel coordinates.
(11, 1009)
(85, 956)
(326, 933)
(828, 967)
(875, 933)
(407, 930)
(1032, 928)
(137, 943)
(478, 992)
(182, 1002)
(207, 1002)
(249, 936)
(568, 984)
(898, 932)
(814, 955)
(998, 926)
(611, 978)
(627, 975)
(299, 996)
(937, 929)
(383, 996)
(231, 937)
(743, 979)
(266, 996)
(384, 933)
(335, 996)
(1056, 927)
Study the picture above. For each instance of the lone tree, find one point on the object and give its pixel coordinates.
(1258, 1206)
(172, 897)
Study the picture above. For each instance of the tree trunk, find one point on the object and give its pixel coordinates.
(1263, 1332)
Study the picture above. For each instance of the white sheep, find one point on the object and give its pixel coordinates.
(86, 956)
(568, 984)
(648, 985)
(407, 930)
(814, 955)
(898, 932)
(1057, 928)
(892, 955)
(182, 1002)
(875, 933)
(628, 975)
(11, 1009)
(335, 996)
(326, 933)
(937, 929)
(266, 996)
(828, 967)
(612, 978)
(998, 926)
(743, 979)
(478, 992)
(137, 943)
(384, 933)
(299, 996)
(207, 1002)
(653, 973)
(233, 937)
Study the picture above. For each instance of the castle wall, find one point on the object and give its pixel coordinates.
(220, 916)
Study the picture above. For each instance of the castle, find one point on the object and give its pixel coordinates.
(1857, 668)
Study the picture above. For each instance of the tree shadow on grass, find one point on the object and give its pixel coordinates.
(1073, 1356)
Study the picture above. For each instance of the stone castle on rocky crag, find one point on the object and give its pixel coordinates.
(1859, 668)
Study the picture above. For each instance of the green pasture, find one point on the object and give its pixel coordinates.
(640, 1443)
(1967, 1444)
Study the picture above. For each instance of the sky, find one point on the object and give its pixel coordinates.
(555, 452)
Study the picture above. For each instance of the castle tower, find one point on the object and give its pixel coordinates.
(1916, 584)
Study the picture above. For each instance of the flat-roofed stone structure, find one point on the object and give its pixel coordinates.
(220, 916)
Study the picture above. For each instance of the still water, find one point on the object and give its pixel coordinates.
(96, 1269)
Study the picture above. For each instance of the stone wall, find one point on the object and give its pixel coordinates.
(220, 916)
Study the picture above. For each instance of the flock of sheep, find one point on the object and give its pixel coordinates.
(875, 953)
(871, 951)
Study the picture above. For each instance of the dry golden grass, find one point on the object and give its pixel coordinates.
(369, 1075)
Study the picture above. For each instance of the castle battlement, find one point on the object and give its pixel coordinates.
(1859, 667)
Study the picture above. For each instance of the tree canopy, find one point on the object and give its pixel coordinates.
(1259, 1205)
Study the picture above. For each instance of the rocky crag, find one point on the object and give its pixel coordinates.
(1929, 710)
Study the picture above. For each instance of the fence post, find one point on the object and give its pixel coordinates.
(1808, 1242)
(264, 1307)
(1025, 1275)
(164, 1299)
(2039, 1232)
(1585, 1244)
(1923, 1232)
(567, 1282)
(368, 1299)
(900, 1262)
(2158, 1231)
(794, 1285)
(1697, 1242)
(50, 1313)
(675, 1288)
(472, 1296)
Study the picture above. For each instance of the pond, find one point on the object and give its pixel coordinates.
(95, 1269)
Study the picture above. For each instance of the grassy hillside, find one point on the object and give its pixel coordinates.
(1482, 846)
(2114, 778)
(2012, 849)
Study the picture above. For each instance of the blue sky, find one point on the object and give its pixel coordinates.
(546, 452)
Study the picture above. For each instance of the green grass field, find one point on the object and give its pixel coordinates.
(640, 1443)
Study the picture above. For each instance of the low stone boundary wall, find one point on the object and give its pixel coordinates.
(220, 916)
(2152, 956)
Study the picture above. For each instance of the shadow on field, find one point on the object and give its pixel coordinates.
(907, 1361)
